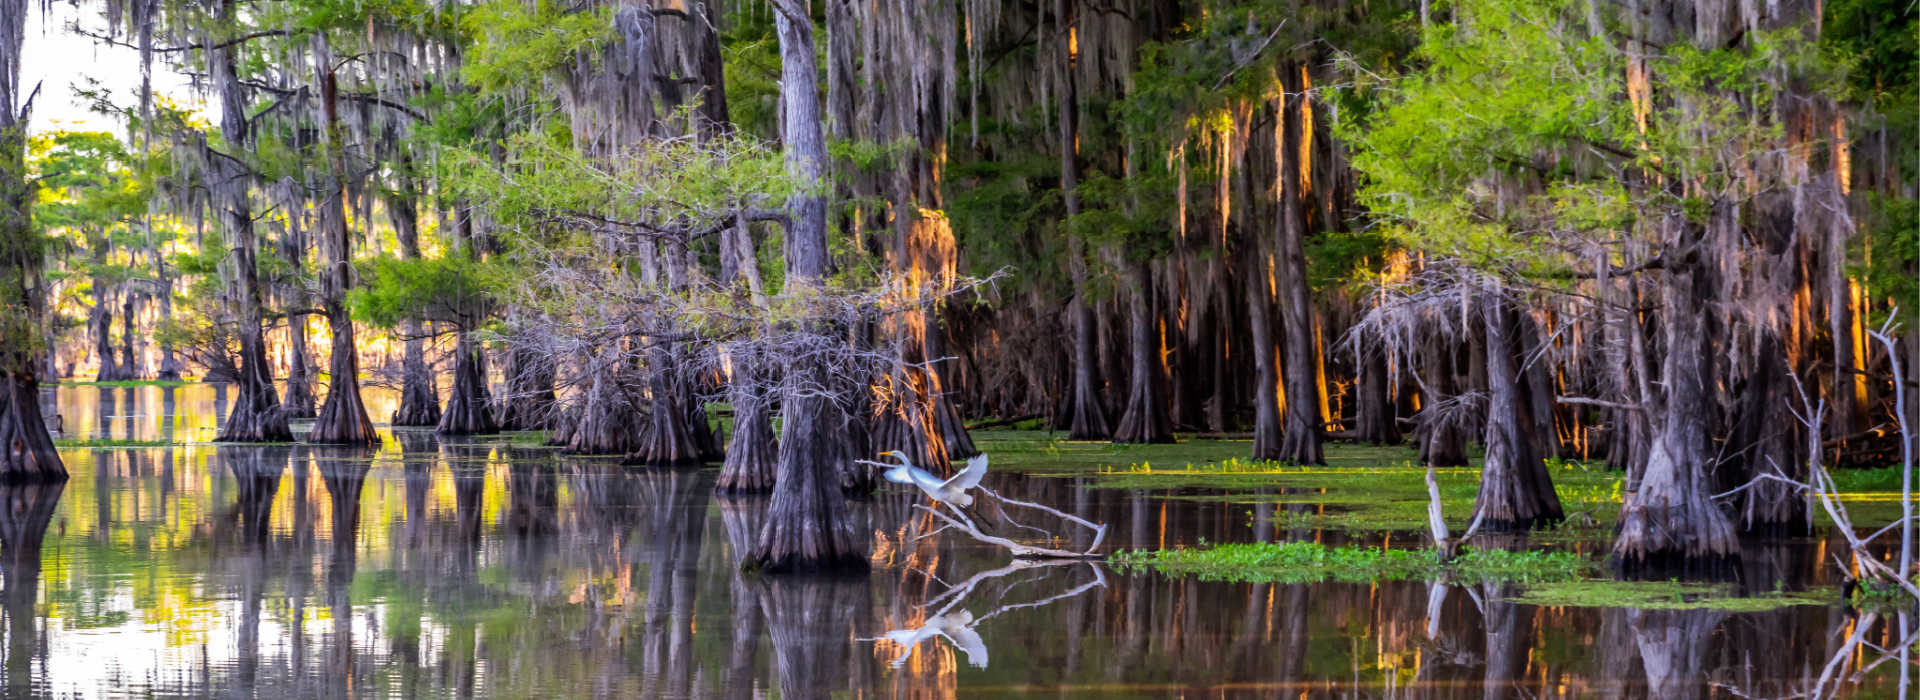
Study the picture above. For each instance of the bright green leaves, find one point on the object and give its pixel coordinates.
(455, 289)
(516, 45)
(659, 185)
(1523, 132)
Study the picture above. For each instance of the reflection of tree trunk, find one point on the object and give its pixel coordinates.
(344, 472)
(1509, 641)
(742, 520)
(256, 475)
(809, 621)
(676, 502)
(23, 526)
(1673, 649)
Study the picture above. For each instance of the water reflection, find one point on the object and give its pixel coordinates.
(485, 568)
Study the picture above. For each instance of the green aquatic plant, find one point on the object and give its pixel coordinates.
(1306, 562)
(113, 442)
(1663, 595)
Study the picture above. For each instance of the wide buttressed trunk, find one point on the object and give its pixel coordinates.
(668, 440)
(1670, 523)
(343, 418)
(1145, 420)
(256, 415)
(752, 452)
(26, 449)
(468, 411)
(808, 526)
(1516, 492)
(419, 403)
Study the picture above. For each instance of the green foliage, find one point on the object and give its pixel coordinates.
(1305, 562)
(1523, 131)
(516, 44)
(455, 289)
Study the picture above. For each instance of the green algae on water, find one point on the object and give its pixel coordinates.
(1664, 595)
(1307, 562)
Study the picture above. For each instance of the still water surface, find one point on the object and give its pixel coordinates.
(433, 568)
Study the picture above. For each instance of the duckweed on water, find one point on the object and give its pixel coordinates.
(1663, 595)
(1307, 562)
(1553, 579)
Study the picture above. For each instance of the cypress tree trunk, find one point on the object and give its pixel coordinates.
(343, 418)
(1267, 411)
(807, 523)
(299, 401)
(668, 441)
(1088, 415)
(1670, 522)
(129, 365)
(1516, 493)
(100, 322)
(1375, 418)
(1145, 420)
(1443, 443)
(419, 402)
(1300, 441)
(256, 414)
(468, 409)
(752, 452)
(529, 403)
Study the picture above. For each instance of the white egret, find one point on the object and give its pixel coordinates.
(952, 491)
(956, 627)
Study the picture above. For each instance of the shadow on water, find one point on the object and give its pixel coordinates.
(485, 568)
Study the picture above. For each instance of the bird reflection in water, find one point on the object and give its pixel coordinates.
(953, 622)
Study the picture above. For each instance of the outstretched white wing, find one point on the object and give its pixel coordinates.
(970, 476)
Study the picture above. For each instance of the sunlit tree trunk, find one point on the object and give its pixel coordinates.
(1300, 440)
(419, 402)
(256, 415)
(343, 418)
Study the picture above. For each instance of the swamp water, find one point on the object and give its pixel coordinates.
(434, 568)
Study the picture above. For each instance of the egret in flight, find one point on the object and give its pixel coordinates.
(951, 491)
